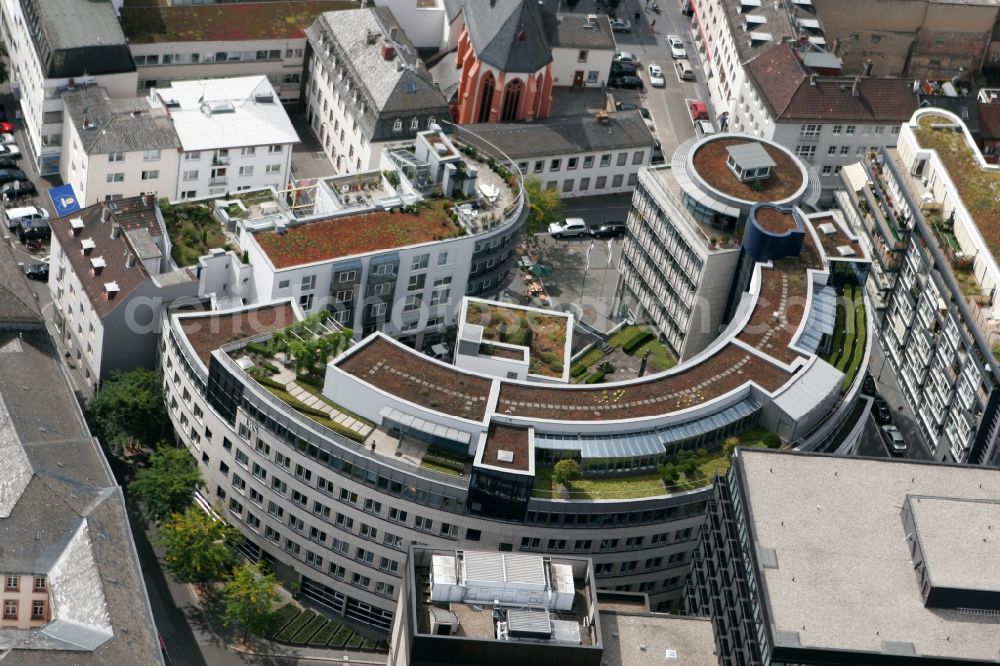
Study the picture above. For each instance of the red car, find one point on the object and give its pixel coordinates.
(5, 127)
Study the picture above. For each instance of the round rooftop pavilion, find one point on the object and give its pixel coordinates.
(722, 176)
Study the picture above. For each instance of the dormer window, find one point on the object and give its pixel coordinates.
(397, 126)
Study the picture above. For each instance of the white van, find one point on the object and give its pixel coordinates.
(16, 215)
(684, 70)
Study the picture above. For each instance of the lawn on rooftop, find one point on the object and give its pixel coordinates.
(357, 234)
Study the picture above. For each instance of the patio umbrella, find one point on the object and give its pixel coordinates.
(541, 270)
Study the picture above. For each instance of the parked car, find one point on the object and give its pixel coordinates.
(624, 69)
(684, 70)
(17, 215)
(610, 229)
(10, 150)
(677, 49)
(7, 138)
(868, 384)
(880, 410)
(625, 56)
(627, 83)
(894, 441)
(657, 156)
(655, 76)
(703, 127)
(6, 127)
(8, 175)
(38, 271)
(8, 163)
(571, 226)
(620, 25)
(18, 188)
(697, 110)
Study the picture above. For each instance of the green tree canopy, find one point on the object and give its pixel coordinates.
(167, 485)
(250, 596)
(544, 206)
(195, 546)
(566, 471)
(129, 410)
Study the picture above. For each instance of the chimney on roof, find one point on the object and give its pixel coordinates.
(129, 260)
(111, 288)
(115, 230)
(105, 214)
(87, 245)
(97, 263)
(76, 224)
(388, 52)
(868, 67)
(393, 32)
(855, 86)
(148, 199)
(371, 38)
(812, 79)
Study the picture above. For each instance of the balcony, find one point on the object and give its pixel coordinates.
(218, 180)
(220, 160)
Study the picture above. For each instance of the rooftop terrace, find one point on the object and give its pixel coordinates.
(357, 234)
(206, 334)
(543, 333)
(710, 164)
(979, 187)
(152, 21)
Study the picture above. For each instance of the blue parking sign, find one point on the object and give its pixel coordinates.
(64, 200)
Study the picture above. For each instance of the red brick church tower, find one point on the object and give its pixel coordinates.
(505, 61)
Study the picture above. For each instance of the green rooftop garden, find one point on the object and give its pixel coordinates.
(688, 470)
(635, 341)
(192, 230)
(979, 187)
(847, 350)
(543, 334)
(294, 625)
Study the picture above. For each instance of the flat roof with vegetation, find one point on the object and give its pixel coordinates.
(544, 334)
(710, 163)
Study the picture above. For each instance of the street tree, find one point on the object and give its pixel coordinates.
(196, 546)
(167, 485)
(544, 207)
(128, 410)
(250, 596)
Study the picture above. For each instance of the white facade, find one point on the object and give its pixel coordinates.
(39, 93)
(110, 176)
(160, 64)
(581, 67)
(720, 58)
(426, 22)
(234, 133)
(588, 173)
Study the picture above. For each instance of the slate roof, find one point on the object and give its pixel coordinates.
(791, 94)
(119, 125)
(562, 135)
(508, 34)
(68, 523)
(394, 87)
(130, 213)
(572, 31)
(17, 308)
(80, 36)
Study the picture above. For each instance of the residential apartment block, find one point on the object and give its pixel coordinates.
(921, 210)
(73, 589)
(193, 140)
(110, 276)
(366, 88)
(180, 42)
(441, 618)
(820, 560)
(574, 155)
(55, 46)
(916, 39)
(827, 121)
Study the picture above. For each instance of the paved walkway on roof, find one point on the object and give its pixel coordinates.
(287, 379)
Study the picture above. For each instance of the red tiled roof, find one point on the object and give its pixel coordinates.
(791, 94)
(129, 214)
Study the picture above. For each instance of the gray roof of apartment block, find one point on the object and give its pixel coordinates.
(566, 135)
(82, 37)
(108, 125)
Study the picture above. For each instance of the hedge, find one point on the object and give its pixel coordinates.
(306, 632)
(355, 641)
(295, 625)
(578, 369)
(282, 616)
(267, 381)
(267, 365)
(341, 637)
(594, 378)
(449, 463)
(639, 340)
(257, 348)
(323, 636)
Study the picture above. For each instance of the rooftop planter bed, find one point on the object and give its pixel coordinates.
(631, 340)
(544, 335)
(710, 163)
(424, 222)
(978, 187)
(192, 230)
(847, 350)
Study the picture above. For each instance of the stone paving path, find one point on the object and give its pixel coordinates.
(309, 400)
